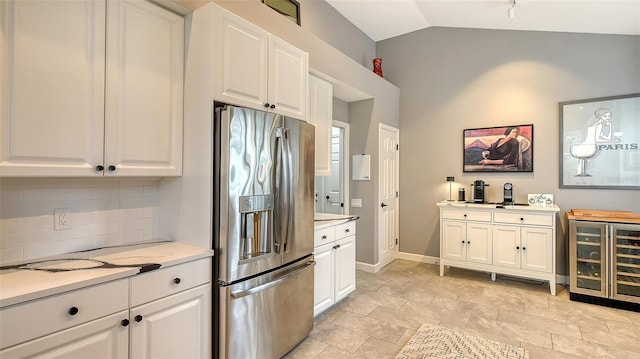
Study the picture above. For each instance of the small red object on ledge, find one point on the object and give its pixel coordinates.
(377, 66)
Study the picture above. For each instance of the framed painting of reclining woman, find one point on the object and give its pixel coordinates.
(498, 149)
(600, 143)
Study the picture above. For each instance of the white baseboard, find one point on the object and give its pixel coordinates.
(418, 258)
(560, 279)
(366, 267)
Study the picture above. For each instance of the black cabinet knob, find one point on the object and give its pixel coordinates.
(112, 168)
(517, 247)
(383, 204)
(266, 105)
(324, 237)
(73, 310)
(124, 322)
(522, 218)
(177, 280)
(99, 168)
(272, 106)
(138, 318)
(465, 215)
(327, 197)
(524, 248)
(462, 241)
(347, 230)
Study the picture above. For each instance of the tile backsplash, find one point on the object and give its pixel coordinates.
(104, 212)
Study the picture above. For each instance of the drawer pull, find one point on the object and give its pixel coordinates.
(465, 215)
(73, 310)
(522, 218)
(99, 168)
(336, 246)
(324, 237)
(517, 247)
(524, 248)
(462, 241)
(138, 318)
(346, 230)
(124, 322)
(177, 280)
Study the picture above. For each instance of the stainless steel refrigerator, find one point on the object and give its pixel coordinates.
(263, 232)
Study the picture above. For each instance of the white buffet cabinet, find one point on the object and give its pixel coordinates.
(113, 311)
(512, 240)
(335, 256)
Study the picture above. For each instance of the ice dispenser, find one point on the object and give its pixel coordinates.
(256, 233)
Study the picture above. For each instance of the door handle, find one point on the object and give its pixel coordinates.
(260, 288)
(383, 204)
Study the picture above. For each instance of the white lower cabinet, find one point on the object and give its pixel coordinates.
(173, 327)
(335, 271)
(106, 336)
(162, 313)
(511, 240)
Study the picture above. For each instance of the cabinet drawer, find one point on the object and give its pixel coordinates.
(324, 236)
(346, 229)
(523, 218)
(23, 322)
(163, 282)
(479, 216)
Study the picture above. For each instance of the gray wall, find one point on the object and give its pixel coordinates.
(321, 19)
(452, 79)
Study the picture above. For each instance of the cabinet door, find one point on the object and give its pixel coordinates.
(106, 337)
(177, 326)
(143, 114)
(345, 267)
(479, 243)
(51, 87)
(537, 247)
(587, 258)
(454, 238)
(320, 115)
(506, 246)
(240, 63)
(625, 250)
(323, 278)
(288, 78)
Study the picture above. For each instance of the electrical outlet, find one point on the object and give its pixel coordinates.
(356, 202)
(62, 219)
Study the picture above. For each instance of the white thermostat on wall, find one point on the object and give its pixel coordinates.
(540, 199)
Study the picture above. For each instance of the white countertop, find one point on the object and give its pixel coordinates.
(523, 207)
(327, 219)
(48, 276)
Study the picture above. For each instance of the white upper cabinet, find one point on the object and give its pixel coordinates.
(89, 85)
(143, 109)
(320, 115)
(258, 70)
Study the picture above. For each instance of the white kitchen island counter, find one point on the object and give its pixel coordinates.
(43, 277)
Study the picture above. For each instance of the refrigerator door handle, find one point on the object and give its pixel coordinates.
(283, 183)
(244, 293)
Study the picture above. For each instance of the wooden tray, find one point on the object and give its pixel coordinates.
(603, 216)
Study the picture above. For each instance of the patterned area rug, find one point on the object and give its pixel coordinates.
(433, 341)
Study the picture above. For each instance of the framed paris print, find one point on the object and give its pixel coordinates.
(600, 143)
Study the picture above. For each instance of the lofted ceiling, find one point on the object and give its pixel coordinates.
(383, 19)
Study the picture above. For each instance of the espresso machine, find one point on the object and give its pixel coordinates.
(479, 191)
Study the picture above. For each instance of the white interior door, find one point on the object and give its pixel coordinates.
(388, 194)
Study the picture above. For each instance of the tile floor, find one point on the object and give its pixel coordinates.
(377, 319)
